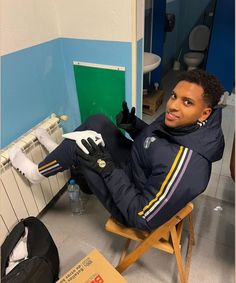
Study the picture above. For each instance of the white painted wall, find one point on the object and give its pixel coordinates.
(97, 20)
(25, 23)
(140, 18)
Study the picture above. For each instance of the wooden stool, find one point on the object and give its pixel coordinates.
(151, 102)
(166, 238)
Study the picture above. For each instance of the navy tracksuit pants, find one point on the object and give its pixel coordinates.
(63, 157)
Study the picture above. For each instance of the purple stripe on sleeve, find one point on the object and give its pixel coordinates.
(173, 188)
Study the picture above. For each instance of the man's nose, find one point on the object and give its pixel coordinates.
(174, 105)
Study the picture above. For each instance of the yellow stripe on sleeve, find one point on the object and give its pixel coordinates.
(48, 164)
(165, 181)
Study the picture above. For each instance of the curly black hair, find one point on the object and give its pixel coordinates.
(212, 87)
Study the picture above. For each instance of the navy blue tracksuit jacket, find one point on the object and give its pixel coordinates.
(156, 175)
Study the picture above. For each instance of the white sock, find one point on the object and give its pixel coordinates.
(24, 165)
(44, 138)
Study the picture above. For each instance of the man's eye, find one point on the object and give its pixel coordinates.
(187, 102)
(173, 96)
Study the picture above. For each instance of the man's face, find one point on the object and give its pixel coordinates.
(186, 105)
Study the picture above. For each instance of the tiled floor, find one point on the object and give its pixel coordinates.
(214, 223)
(212, 258)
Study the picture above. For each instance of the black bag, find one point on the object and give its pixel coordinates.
(42, 264)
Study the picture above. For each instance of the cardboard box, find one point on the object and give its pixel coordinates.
(152, 101)
(94, 268)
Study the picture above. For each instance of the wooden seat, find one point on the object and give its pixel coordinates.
(167, 238)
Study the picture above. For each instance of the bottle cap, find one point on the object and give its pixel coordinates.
(72, 182)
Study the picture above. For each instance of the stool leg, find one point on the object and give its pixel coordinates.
(191, 229)
(140, 250)
(123, 253)
(175, 242)
(191, 242)
(179, 229)
(132, 257)
(188, 256)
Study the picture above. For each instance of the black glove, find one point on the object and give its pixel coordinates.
(126, 120)
(98, 159)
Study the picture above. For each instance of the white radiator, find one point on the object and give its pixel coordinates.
(19, 198)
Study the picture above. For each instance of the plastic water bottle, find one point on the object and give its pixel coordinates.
(76, 202)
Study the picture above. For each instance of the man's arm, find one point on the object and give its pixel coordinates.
(139, 126)
(166, 191)
(128, 121)
(178, 177)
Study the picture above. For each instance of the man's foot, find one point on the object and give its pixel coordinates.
(24, 165)
(44, 138)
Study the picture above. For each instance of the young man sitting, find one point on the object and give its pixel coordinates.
(144, 182)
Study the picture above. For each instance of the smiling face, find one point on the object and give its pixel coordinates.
(186, 105)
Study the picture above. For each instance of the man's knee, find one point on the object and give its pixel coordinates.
(97, 122)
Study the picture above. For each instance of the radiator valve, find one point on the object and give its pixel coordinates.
(64, 118)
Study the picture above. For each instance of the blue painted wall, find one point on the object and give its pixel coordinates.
(171, 44)
(38, 81)
(188, 13)
(33, 86)
(158, 36)
(221, 56)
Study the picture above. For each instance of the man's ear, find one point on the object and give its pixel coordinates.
(205, 114)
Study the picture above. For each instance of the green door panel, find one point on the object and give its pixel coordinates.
(99, 91)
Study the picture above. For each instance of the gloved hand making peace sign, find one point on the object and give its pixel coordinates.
(98, 158)
(126, 120)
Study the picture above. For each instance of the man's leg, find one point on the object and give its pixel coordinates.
(117, 144)
(44, 138)
(119, 147)
(96, 183)
(24, 165)
(100, 190)
(64, 155)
